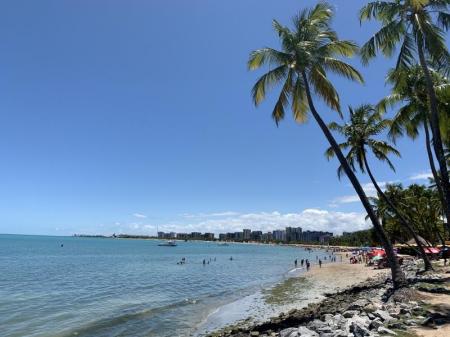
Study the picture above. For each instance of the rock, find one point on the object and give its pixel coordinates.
(316, 324)
(254, 333)
(324, 329)
(395, 315)
(427, 322)
(359, 330)
(303, 331)
(376, 323)
(371, 316)
(289, 332)
(350, 313)
(370, 308)
(384, 331)
(396, 325)
(411, 322)
(384, 315)
(339, 333)
(328, 317)
(358, 304)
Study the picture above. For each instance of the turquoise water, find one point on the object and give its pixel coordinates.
(114, 287)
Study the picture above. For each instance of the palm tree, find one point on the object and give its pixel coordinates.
(410, 23)
(307, 53)
(409, 88)
(365, 123)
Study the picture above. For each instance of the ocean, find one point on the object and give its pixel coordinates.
(69, 286)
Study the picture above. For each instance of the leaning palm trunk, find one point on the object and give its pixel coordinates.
(403, 221)
(436, 176)
(434, 121)
(398, 277)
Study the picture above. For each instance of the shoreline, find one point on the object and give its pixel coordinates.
(343, 284)
(296, 290)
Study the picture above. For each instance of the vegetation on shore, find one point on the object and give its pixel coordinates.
(311, 49)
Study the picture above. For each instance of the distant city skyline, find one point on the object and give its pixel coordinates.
(118, 117)
(287, 235)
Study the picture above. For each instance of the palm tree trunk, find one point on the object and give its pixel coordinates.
(398, 277)
(404, 222)
(435, 174)
(434, 121)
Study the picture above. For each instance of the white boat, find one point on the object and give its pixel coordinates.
(169, 243)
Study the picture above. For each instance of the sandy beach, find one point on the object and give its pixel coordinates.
(339, 276)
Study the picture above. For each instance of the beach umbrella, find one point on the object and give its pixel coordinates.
(377, 258)
(378, 252)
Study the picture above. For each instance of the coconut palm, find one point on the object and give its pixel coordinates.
(419, 27)
(409, 89)
(365, 124)
(308, 51)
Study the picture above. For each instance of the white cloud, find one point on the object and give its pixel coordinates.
(308, 219)
(139, 215)
(421, 176)
(368, 188)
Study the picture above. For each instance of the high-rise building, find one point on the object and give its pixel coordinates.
(293, 234)
(247, 234)
(256, 235)
(279, 235)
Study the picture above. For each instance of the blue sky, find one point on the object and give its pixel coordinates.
(117, 116)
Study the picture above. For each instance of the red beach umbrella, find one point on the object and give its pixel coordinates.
(378, 252)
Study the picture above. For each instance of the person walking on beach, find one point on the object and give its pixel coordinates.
(295, 262)
(307, 265)
(302, 262)
(320, 263)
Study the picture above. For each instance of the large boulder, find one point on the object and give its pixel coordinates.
(350, 313)
(289, 332)
(359, 330)
(376, 323)
(384, 315)
(305, 332)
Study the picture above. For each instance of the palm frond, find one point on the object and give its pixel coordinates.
(341, 68)
(266, 82)
(299, 102)
(324, 88)
(269, 56)
(385, 40)
(407, 51)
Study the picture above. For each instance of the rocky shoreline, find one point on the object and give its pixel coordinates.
(368, 309)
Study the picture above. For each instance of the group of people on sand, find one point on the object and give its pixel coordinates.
(303, 262)
(331, 258)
